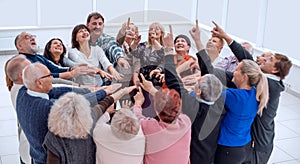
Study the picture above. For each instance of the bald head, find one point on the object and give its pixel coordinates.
(15, 67)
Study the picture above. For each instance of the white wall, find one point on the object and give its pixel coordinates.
(245, 19)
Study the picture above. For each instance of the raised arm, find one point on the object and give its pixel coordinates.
(190, 105)
(235, 47)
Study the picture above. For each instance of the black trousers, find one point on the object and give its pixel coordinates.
(233, 155)
(262, 157)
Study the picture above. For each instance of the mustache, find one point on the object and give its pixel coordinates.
(97, 29)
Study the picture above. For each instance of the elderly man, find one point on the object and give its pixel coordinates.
(204, 106)
(114, 53)
(276, 67)
(14, 69)
(34, 103)
(26, 45)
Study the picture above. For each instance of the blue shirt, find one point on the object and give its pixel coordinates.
(241, 108)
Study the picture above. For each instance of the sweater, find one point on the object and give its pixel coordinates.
(54, 69)
(32, 113)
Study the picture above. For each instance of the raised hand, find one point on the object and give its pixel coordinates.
(219, 32)
(168, 39)
(195, 33)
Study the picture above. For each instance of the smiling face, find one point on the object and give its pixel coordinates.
(26, 43)
(83, 35)
(216, 43)
(131, 32)
(96, 26)
(56, 47)
(181, 46)
(80, 35)
(267, 63)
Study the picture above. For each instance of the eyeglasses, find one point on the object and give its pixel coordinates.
(29, 36)
(45, 76)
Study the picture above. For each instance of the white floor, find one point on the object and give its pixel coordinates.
(287, 140)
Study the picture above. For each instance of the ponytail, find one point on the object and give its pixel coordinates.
(262, 93)
(257, 78)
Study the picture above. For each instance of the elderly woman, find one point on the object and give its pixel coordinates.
(71, 123)
(167, 140)
(122, 140)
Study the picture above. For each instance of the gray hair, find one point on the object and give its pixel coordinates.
(210, 87)
(31, 73)
(70, 116)
(125, 124)
(15, 66)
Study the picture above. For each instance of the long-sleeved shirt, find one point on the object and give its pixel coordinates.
(54, 69)
(109, 45)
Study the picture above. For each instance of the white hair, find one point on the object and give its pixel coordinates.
(70, 116)
(125, 124)
(31, 73)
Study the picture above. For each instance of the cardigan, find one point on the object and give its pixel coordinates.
(32, 113)
(166, 143)
(206, 119)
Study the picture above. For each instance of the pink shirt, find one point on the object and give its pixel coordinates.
(166, 143)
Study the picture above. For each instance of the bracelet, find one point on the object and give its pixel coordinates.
(168, 49)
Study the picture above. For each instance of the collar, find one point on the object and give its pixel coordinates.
(204, 101)
(38, 94)
(273, 77)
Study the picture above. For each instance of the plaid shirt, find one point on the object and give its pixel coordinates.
(110, 47)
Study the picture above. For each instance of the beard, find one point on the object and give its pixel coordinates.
(34, 49)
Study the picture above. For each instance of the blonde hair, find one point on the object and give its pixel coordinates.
(70, 116)
(256, 77)
(162, 29)
(125, 124)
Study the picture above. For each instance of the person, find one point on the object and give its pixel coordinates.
(93, 56)
(128, 34)
(71, 123)
(13, 69)
(204, 105)
(230, 63)
(114, 53)
(276, 67)
(55, 51)
(242, 105)
(26, 45)
(121, 140)
(213, 47)
(151, 54)
(35, 101)
(167, 139)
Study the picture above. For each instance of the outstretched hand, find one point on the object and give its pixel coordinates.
(139, 98)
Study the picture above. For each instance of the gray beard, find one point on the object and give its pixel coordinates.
(35, 49)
